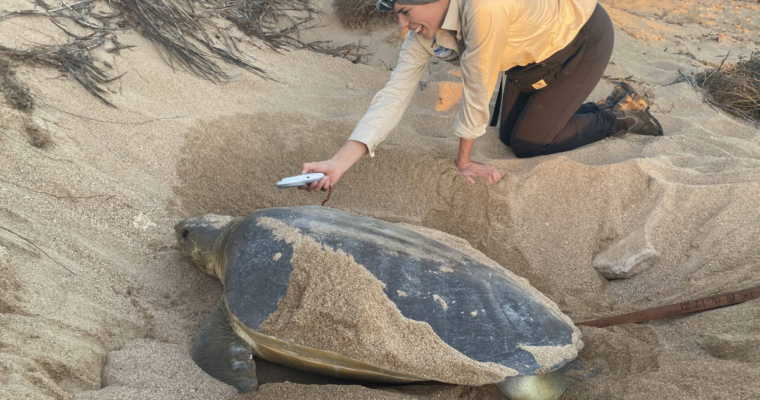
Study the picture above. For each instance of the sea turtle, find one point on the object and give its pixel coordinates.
(480, 314)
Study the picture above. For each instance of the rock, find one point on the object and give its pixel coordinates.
(629, 256)
(141, 221)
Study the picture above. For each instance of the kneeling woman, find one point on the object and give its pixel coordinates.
(553, 53)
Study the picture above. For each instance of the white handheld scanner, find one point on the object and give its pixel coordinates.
(300, 180)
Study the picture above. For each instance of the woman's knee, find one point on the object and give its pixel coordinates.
(524, 149)
(520, 149)
(523, 154)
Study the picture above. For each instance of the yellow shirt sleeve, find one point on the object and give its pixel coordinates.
(484, 28)
(390, 103)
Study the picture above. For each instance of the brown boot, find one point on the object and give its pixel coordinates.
(618, 92)
(633, 115)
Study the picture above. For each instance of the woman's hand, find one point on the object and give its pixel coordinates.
(332, 171)
(487, 172)
(335, 167)
(469, 169)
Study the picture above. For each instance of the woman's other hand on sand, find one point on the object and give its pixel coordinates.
(470, 170)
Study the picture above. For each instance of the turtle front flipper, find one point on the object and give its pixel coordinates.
(222, 354)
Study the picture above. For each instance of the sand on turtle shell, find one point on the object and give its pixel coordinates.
(333, 303)
(215, 220)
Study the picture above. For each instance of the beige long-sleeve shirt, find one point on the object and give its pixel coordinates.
(483, 37)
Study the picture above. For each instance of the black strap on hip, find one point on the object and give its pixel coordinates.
(497, 106)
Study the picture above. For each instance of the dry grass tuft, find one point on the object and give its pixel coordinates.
(71, 58)
(184, 37)
(357, 14)
(735, 87)
(278, 24)
(16, 93)
(38, 138)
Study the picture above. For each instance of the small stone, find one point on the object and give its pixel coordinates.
(629, 256)
(142, 221)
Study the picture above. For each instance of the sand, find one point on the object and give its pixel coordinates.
(93, 288)
(333, 392)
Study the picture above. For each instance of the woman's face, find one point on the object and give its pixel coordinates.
(425, 19)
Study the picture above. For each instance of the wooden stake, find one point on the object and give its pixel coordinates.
(687, 307)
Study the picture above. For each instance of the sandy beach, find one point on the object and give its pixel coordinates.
(97, 301)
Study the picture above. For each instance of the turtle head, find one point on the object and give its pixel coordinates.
(197, 236)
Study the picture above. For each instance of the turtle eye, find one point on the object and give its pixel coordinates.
(185, 232)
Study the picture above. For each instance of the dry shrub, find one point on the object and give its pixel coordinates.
(279, 23)
(735, 87)
(71, 58)
(184, 32)
(16, 93)
(38, 138)
(357, 14)
(186, 38)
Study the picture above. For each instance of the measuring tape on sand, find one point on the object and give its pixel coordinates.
(687, 307)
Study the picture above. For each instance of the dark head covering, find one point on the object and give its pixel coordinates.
(386, 6)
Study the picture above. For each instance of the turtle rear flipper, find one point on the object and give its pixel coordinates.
(222, 354)
(548, 386)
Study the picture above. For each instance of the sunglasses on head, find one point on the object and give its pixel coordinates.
(385, 6)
